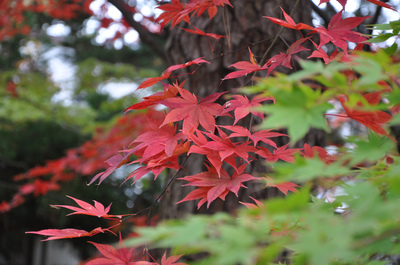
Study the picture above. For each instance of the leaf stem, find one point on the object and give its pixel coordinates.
(277, 35)
(337, 115)
(162, 193)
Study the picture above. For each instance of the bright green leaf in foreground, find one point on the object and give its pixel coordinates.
(297, 109)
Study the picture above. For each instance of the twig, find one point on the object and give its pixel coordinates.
(277, 35)
(145, 35)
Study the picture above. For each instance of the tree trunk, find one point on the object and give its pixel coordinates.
(245, 28)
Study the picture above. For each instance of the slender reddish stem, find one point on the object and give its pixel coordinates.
(337, 115)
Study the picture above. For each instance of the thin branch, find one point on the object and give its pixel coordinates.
(320, 13)
(374, 19)
(164, 191)
(277, 35)
(146, 36)
(157, 199)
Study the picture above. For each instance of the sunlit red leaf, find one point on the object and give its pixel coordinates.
(242, 106)
(87, 209)
(54, 234)
(193, 112)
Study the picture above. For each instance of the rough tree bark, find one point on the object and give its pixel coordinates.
(244, 27)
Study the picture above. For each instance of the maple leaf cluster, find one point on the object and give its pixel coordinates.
(338, 32)
(190, 126)
(12, 13)
(176, 12)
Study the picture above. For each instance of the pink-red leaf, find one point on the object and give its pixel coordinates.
(284, 187)
(382, 4)
(171, 260)
(212, 185)
(154, 80)
(289, 23)
(242, 106)
(281, 153)
(87, 209)
(54, 234)
(263, 135)
(371, 119)
(193, 112)
(202, 33)
(339, 31)
(181, 66)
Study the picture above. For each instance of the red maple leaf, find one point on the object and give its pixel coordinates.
(257, 204)
(193, 112)
(382, 4)
(181, 66)
(200, 6)
(245, 68)
(320, 53)
(160, 139)
(242, 106)
(169, 92)
(262, 135)
(212, 155)
(171, 260)
(213, 186)
(114, 162)
(158, 163)
(202, 33)
(284, 59)
(120, 256)
(310, 152)
(284, 187)
(154, 80)
(339, 31)
(371, 119)
(174, 12)
(54, 234)
(87, 209)
(280, 153)
(226, 148)
(289, 23)
(39, 187)
(376, 2)
(4, 207)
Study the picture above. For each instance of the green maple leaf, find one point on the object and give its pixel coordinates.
(297, 109)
